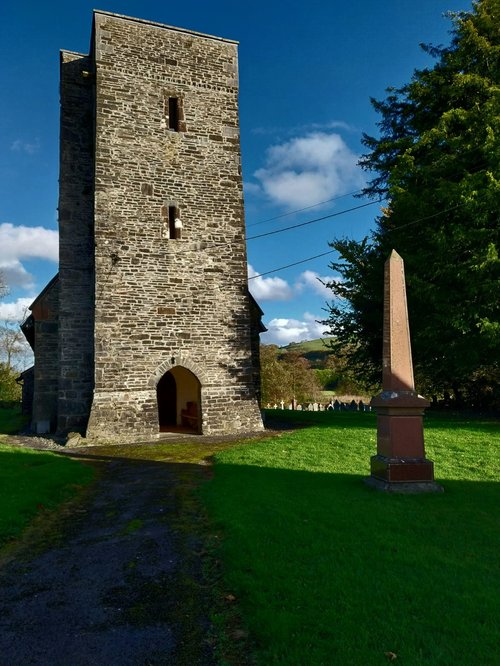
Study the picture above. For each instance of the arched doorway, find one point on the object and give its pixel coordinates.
(166, 395)
(179, 401)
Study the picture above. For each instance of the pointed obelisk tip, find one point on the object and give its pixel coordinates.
(394, 256)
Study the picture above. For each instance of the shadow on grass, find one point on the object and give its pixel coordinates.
(277, 418)
(274, 418)
(327, 570)
(147, 524)
(33, 484)
(11, 420)
(330, 570)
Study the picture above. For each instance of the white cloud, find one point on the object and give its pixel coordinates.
(283, 331)
(251, 188)
(315, 282)
(16, 311)
(14, 274)
(21, 242)
(30, 148)
(277, 289)
(334, 124)
(302, 129)
(268, 289)
(308, 169)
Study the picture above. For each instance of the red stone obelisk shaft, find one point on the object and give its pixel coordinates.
(397, 364)
(400, 464)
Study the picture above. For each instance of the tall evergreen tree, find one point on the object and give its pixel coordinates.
(437, 163)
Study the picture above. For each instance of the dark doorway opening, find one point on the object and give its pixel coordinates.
(166, 393)
(179, 401)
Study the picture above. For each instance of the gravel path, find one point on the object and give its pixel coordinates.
(113, 589)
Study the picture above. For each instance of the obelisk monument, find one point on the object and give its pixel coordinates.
(400, 464)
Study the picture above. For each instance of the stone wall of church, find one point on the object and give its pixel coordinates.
(76, 243)
(45, 372)
(162, 301)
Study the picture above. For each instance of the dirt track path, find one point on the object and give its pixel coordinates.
(121, 585)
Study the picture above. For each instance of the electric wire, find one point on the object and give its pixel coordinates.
(318, 219)
(300, 210)
(423, 219)
(295, 263)
(403, 226)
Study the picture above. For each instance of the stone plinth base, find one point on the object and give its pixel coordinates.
(400, 430)
(409, 470)
(398, 475)
(404, 488)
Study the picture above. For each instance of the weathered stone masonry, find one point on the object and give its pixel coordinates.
(42, 328)
(153, 303)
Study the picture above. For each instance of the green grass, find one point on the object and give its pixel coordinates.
(328, 571)
(32, 482)
(315, 351)
(318, 345)
(11, 420)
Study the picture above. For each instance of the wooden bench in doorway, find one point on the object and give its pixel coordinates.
(189, 416)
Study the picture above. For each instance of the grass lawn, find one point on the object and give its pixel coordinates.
(11, 420)
(32, 482)
(327, 571)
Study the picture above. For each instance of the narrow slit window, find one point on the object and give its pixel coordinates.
(173, 113)
(172, 215)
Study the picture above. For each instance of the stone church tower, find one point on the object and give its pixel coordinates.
(149, 324)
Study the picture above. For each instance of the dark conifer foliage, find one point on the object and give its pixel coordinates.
(437, 165)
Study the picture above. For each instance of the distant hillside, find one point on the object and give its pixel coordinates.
(316, 351)
(333, 376)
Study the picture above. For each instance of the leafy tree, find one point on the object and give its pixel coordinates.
(10, 390)
(303, 384)
(437, 164)
(272, 375)
(285, 376)
(338, 376)
(13, 354)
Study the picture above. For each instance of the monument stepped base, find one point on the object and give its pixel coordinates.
(413, 488)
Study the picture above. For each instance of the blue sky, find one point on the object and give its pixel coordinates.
(307, 72)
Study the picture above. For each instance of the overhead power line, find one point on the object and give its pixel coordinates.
(295, 263)
(300, 210)
(428, 217)
(403, 226)
(480, 168)
(318, 219)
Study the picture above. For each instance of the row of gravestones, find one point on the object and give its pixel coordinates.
(336, 406)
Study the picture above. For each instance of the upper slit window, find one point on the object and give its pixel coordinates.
(173, 114)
